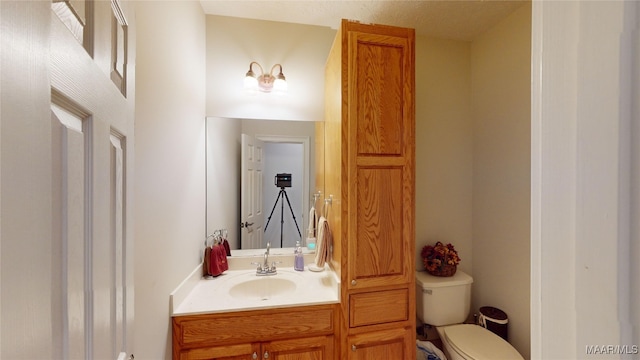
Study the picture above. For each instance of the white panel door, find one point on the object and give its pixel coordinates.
(251, 215)
(66, 137)
(92, 127)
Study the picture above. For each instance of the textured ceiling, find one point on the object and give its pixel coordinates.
(452, 19)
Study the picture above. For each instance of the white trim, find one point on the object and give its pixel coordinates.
(536, 180)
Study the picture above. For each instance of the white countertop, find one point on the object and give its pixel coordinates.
(197, 295)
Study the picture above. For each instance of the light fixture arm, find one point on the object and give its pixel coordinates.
(251, 73)
(265, 82)
(280, 75)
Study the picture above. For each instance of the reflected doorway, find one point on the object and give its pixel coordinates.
(281, 222)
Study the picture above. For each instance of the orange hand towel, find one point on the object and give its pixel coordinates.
(323, 243)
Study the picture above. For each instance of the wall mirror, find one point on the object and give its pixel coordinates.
(244, 194)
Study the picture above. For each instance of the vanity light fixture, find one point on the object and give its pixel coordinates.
(265, 82)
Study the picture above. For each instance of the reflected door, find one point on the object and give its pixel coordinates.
(252, 217)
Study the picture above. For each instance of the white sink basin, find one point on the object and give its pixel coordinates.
(242, 290)
(262, 288)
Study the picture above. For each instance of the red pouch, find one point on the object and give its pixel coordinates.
(214, 263)
(222, 260)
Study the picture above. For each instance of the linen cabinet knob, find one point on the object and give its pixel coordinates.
(254, 356)
(354, 282)
(353, 348)
(266, 355)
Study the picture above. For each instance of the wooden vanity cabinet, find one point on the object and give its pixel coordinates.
(299, 333)
(311, 348)
(369, 168)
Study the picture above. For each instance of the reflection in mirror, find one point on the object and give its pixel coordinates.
(246, 207)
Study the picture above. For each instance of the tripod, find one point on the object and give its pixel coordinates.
(282, 194)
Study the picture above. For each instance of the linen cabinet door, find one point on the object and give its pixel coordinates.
(381, 159)
(381, 345)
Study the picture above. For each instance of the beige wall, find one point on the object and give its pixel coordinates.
(444, 155)
(232, 43)
(500, 88)
(170, 189)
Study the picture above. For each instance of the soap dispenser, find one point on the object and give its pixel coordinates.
(298, 262)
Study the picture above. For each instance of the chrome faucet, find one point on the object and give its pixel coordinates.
(264, 268)
(266, 256)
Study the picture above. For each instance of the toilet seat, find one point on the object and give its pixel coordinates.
(476, 342)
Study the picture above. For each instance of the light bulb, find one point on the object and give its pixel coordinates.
(280, 85)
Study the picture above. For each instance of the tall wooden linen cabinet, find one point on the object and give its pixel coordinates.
(369, 168)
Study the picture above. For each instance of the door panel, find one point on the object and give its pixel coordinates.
(313, 348)
(252, 216)
(381, 345)
(380, 144)
(69, 145)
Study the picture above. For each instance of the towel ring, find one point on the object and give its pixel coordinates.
(218, 236)
(206, 240)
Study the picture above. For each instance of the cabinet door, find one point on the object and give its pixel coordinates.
(249, 351)
(381, 149)
(313, 348)
(381, 345)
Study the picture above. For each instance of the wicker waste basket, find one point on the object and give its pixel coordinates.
(495, 320)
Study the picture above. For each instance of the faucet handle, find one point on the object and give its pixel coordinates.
(259, 265)
(273, 264)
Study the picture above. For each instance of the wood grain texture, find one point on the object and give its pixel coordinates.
(230, 352)
(309, 348)
(379, 307)
(380, 157)
(379, 249)
(378, 84)
(395, 344)
(369, 168)
(222, 329)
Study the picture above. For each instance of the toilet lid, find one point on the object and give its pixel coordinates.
(476, 342)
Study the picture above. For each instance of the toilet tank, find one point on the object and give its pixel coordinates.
(443, 300)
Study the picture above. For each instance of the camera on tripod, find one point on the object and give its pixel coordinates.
(283, 180)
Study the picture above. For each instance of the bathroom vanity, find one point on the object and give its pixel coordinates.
(240, 315)
(306, 331)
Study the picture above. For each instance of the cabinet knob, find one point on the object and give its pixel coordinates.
(266, 355)
(354, 282)
(254, 356)
(353, 348)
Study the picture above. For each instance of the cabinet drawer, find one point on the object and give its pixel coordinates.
(378, 307)
(220, 329)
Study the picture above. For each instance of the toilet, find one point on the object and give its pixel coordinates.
(445, 302)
